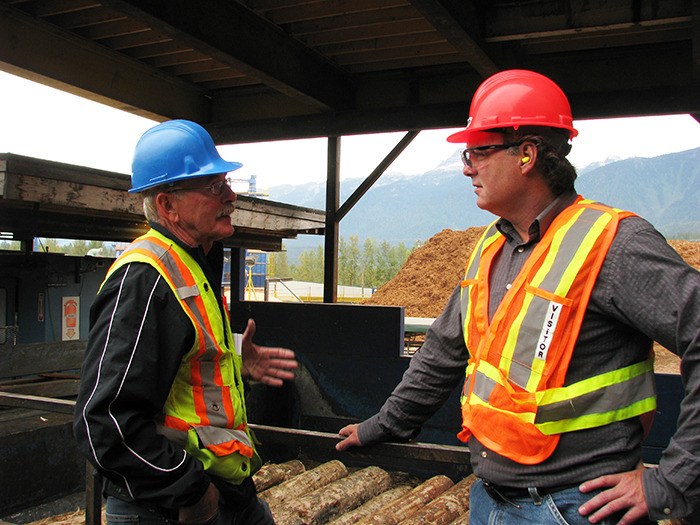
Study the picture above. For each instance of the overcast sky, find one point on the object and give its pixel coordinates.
(46, 123)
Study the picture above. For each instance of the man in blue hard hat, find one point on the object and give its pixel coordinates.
(161, 408)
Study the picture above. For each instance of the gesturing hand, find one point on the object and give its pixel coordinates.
(269, 365)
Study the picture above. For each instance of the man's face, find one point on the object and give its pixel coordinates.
(198, 215)
(495, 174)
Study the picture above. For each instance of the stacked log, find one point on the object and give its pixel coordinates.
(372, 506)
(449, 506)
(304, 483)
(276, 473)
(329, 495)
(462, 520)
(323, 504)
(406, 506)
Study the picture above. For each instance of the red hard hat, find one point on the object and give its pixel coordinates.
(514, 98)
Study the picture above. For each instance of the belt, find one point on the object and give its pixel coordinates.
(509, 495)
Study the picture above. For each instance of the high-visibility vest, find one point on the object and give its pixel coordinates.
(514, 399)
(205, 409)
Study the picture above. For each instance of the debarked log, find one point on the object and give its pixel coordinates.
(406, 506)
(462, 520)
(275, 473)
(325, 503)
(450, 505)
(304, 483)
(372, 506)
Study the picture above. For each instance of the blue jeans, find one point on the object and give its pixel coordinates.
(124, 513)
(558, 508)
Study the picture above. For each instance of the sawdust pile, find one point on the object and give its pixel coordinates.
(425, 282)
(430, 274)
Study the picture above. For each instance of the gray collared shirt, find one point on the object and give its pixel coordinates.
(645, 292)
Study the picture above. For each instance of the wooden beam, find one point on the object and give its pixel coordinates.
(41, 52)
(62, 406)
(71, 195)
(267, 215)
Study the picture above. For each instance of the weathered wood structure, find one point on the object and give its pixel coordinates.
(40, 198)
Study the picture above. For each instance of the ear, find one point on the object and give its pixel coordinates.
(166, 207)
(528, 157)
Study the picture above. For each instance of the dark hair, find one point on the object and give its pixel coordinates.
(552, 147)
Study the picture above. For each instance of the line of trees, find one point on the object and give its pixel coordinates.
(74, 247)
(370, 265)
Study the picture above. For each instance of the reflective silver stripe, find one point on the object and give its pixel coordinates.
(185, 292)
(472, 272)
(599, 401)
(537, 314)
(212, 436)
(483, 386)
(178, 437)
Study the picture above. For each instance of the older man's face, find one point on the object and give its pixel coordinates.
(202, 210)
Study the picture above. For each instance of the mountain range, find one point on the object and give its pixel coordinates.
(665, 190)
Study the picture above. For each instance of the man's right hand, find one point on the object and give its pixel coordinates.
(204, 511)
(351, 437)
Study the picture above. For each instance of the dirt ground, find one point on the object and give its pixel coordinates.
(432, 271)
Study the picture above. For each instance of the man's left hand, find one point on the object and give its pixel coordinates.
(268, 365)
(624, 493)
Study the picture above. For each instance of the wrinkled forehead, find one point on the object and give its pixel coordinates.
(485, 138)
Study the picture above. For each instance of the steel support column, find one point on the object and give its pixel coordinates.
(330, 259)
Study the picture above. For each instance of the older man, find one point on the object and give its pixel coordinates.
(161, 409)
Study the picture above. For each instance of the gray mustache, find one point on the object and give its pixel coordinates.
(228, 210)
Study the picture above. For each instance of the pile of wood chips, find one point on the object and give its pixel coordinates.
(332, 494)
(431, 273)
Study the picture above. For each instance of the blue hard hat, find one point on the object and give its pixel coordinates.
(175, 150)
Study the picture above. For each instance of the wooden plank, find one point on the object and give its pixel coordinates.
(58, 388)
(48, 169)
(38, 358)
(63, 406)
(49, 191)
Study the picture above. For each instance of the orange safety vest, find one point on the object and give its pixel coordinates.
(514, 399)
(205, 409)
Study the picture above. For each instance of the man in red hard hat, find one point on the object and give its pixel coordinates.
(554, 319)
(161, 409)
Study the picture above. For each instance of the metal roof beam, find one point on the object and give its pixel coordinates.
(39, 51)
(448, 17)
(236, 36)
